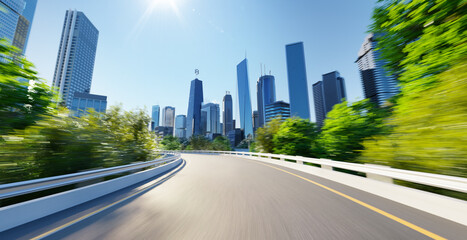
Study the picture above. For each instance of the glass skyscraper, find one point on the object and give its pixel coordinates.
(298, 86)
(227, 115)
(83, 102)
(168, 116)
(16, 20)
(28, 14)
(212, 118)
(193, 119)
(76, 55)
(255, 121)
(244, 100)
(10, 12)
(378, 85)
(155, 116)
(328, 93)
(266, 94)
(279, 109)
(180, 126)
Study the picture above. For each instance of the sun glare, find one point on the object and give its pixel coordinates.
(151, 7)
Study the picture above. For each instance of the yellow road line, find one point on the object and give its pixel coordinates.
(107, 206)
(386, 214)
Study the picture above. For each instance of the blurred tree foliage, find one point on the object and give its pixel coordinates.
(221, 143)
(24, 98)
(264, 136)
(295, 136)
(432, 136)
(419, 39)
(346, 126)
(171, 143)
(61, 144)
(424, 43)
(39, 139)
(198, 142)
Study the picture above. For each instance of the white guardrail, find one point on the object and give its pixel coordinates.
(21, 188)
(17, 214)
(376, 172)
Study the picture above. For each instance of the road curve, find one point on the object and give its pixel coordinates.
(225, 197)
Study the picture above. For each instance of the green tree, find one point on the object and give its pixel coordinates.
(265, 135)
(295, 136)
(424, 44)
(130, 134)
(419, 39)
(171, 143)
(24, 98)
(60, 144)
(346, 126)
(198, 142)
(432, 136)
(221, 143)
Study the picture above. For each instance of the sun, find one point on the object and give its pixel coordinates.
(162, 4)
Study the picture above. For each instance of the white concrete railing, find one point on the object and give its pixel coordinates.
(20, 188)
(376, 172)
(24, 212)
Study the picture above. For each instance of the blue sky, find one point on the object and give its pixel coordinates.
(148, 49)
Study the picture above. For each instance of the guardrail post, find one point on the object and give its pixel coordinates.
(379, 177)
(298, 161)
(326, 167)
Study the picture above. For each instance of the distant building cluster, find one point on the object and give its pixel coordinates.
(205, 118)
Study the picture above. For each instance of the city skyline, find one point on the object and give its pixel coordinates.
(215, 53)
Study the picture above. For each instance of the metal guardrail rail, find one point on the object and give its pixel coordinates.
(382, 173)
(20, 188)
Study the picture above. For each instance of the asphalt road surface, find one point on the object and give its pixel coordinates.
(225, 197)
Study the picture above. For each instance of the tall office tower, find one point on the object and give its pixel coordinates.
(298, 86)
(204, 122)
(318, 98)
(227, 115)
(180, 126)
(23, 26)
(266, 93)
(244, 99)
(168, 116)
(83, 102)
(328, 93)
(212, 118)
(378, 85)
(28, 13)
(76, 55)
(279, 109)
(11, 10)
(255, 121)
(156, 110)
(193, 118)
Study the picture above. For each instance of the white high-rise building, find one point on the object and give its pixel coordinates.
(180, 126)
(168, 116)
(211, 123)
(76, 56)
(378, 85)
(155, 117)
